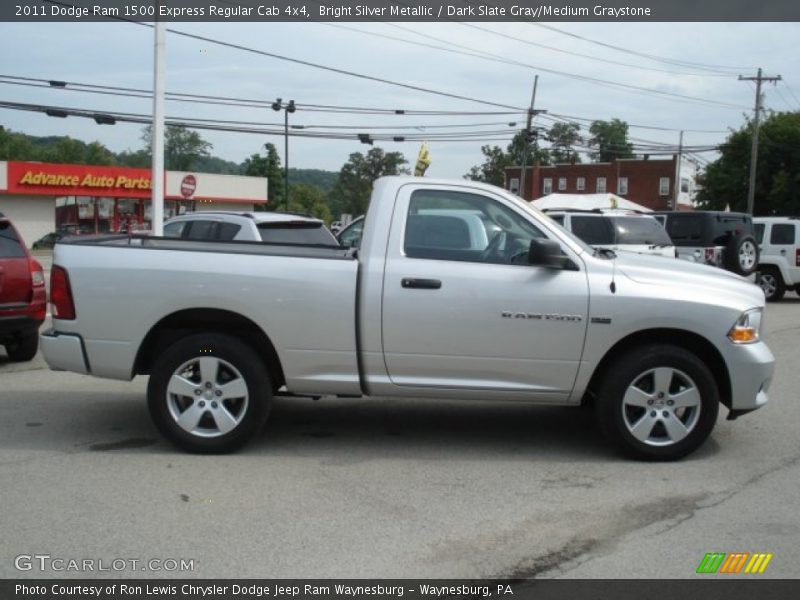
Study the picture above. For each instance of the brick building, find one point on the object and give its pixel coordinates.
(649, 182)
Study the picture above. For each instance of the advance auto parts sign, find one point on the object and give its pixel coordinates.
(77, 180)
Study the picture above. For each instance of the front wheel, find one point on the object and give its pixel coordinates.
(209, 393)
(658, 402)
(772, 284)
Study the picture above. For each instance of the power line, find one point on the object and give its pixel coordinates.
(229, 101)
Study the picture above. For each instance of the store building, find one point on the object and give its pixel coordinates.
(44, 197)
(658, 184)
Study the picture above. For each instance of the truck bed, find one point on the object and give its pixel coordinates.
(124, 286)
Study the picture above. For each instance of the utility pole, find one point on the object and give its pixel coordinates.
(676, 186)
(751, 189)
(157, 131)
(528, 134)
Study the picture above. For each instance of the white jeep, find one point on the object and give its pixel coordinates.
(779, 264)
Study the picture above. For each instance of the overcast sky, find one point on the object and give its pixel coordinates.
(121, 54)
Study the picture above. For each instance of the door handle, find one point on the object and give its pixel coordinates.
(422, 284)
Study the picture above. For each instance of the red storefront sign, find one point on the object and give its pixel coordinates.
(78, 180)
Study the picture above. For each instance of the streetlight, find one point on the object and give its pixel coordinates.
(287, 107)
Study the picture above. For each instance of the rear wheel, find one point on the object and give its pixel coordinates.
(209, 393)
(24, 348)
(772, 284)
(658, 402)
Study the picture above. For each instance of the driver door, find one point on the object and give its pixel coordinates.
(467, 312)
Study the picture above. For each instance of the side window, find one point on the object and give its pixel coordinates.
(350, 236)
(174, 230)
(758, 232)
(200, 230)
(592, 230)
(782, 234)
(458, 226)
(227, 231)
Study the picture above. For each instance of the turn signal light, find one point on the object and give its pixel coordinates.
(743, 335)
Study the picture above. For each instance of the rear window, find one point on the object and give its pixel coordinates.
(10, 244)
(724, 226)
(299, 232)
(593, 230)
(640, 230)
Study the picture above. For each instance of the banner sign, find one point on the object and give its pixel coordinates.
(256, 11)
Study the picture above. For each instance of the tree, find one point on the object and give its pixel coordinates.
(611, 140)
(725, 181)
(496, 161)
(182, 147)
(352, 190)
(268, 166)
(563, 137)
(305, 198)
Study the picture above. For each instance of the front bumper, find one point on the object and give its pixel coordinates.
(751, 367)
(64, 351)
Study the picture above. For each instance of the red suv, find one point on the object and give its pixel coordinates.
(23, 299)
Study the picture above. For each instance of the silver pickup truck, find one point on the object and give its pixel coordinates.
(534, 315)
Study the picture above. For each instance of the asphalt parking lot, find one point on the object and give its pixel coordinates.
(379, 487)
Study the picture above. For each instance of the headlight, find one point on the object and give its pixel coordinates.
(747, 328)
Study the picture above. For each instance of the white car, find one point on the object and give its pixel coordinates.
(272, 227)
(617, 230)
(779, 261)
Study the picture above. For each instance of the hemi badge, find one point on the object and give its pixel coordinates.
(602, 320)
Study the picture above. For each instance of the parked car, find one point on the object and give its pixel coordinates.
(536, 316)
(617, 230)
(779, 261)
(720, 239)
(273, 227)
(47, 241)
(23, 299)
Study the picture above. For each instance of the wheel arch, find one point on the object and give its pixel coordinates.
(681, 338)
(186, 322)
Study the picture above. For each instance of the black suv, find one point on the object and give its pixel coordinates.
(721, 239)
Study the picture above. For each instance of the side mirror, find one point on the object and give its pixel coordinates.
(547, 253)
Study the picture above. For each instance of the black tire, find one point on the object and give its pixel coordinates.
(210, 417)
(771, 282)
(741, 255)
(653, 430)
(23, 349)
